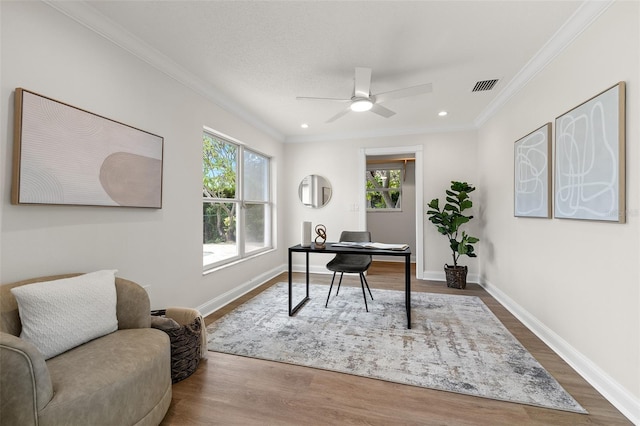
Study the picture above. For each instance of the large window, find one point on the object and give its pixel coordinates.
(236, 207)
(384, 189)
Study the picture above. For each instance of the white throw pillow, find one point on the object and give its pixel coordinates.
(59, 315)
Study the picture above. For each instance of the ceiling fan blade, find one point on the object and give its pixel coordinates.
(403, 93)
(362, 85)
(338, 115)
(380, 110)
(308, 98)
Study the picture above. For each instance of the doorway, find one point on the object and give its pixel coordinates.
(415, 153)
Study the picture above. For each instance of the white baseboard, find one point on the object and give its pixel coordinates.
(214, 304)
(617, 395)
(313, 269)
(224, 299)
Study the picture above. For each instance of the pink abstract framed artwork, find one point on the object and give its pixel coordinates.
(64, 155)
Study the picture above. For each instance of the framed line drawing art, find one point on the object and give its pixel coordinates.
(532, 174)
(63, 155)
(590, 159)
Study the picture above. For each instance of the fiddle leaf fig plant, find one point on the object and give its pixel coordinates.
(450, 218)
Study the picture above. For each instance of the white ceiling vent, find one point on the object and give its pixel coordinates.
(485, 85)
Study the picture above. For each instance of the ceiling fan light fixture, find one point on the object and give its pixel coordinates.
(361, 104)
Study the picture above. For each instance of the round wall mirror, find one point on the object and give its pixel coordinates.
(314, 191)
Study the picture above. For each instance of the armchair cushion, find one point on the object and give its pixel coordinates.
(59, 315)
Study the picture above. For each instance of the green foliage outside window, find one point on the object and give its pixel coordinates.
(219, 174)
(384, 188)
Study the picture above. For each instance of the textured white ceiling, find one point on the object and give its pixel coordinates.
(255, 57)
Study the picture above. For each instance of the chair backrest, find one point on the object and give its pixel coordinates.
(356, 236)
(352, 263)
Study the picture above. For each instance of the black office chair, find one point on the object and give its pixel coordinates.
(351, 263)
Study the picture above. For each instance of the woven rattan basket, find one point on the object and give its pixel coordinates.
(186, 348)
(456, 276)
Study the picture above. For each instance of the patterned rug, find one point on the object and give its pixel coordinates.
(456, 343)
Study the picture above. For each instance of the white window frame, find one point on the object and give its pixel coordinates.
(241, 203)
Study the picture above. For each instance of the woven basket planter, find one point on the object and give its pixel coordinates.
(185, 348)
(456, 276)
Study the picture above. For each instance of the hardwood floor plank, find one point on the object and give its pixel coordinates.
(235, 390)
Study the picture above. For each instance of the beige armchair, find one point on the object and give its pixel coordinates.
(122, 378)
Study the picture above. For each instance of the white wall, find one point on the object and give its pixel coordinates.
(575, 282)
(446, 157)
(44, 51)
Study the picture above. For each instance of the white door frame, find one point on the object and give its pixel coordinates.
(362, 217)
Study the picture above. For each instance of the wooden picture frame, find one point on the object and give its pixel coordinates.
(590, 159)
(532, 174)
(65, 155)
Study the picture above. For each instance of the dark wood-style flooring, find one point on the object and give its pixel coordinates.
(234, 390)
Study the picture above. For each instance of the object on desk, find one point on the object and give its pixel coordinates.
(305, 237)
(370, 245)
(321, 232)
(351, 263)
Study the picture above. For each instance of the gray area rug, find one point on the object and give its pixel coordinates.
(456, 343)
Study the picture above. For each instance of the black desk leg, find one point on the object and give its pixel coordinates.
(290, 284)
(407, 288)
(294, 309)
(307, 266)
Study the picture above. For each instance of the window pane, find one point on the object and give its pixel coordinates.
(383, 199)
(256, 223)
(236, 211)
(256, 177)
(219, 232)
(219, 167)
(384, 178)
(384, 188)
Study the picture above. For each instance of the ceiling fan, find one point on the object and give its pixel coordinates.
(363, 100)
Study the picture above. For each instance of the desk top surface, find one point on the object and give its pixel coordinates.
(330, 248)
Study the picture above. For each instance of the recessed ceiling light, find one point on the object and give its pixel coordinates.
(442, 113)
(304, 125)
(362, 104)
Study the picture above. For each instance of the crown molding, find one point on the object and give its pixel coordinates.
(581, 19)
(404, 131)
(90, 18)
(86, 15)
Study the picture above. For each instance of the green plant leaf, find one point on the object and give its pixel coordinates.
(462, 249)
(460, 220)
(458, 186)
(450, 219)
